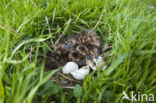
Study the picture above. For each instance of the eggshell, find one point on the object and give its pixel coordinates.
(99, 61)
(93, 67)
(81, 73)
(69, 67)
(90, 64)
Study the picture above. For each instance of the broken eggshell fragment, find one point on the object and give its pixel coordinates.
(81, 73)
(91, 65)
(98, 61)
(69, 67)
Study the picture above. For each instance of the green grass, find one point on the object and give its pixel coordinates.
(128, 25)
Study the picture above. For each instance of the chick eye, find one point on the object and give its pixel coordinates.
(69, 45)
(89, 56)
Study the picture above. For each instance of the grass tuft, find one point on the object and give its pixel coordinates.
(27, 25)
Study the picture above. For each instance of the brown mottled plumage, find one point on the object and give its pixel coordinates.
(79, 48)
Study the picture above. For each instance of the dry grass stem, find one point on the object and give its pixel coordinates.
(63, 33)
(54, 13)
(99, 20)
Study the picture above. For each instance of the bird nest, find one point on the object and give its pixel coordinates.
(82, 49)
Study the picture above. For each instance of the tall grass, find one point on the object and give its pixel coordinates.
(128, 25)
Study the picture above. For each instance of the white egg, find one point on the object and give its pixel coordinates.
(81, 73)
(69, 67)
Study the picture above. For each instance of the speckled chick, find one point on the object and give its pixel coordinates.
(79, 48)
